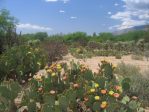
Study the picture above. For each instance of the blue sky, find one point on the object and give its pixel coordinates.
(66, 16)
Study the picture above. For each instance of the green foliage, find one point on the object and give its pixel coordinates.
(7, 30)
(79, 37)
(8, 92)
(19, 62)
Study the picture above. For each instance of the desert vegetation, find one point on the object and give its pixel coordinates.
(34, 78)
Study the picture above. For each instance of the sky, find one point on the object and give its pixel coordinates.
(67, 16)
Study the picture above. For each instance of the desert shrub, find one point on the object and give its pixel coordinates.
(20, 62)
(139, 84)
(55, 50)
(94, 45)
(126, 69)
(137, 57)
(146, 54)
(81, 53)
(140, 88)
(118, 56)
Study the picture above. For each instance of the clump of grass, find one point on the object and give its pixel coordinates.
(137, 57)
(118, 56)
(139, 85)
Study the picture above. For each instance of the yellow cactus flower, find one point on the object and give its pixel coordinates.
(53, 74)
(104, 102)
(114, 66)
(37, 77)
(103, 105)
(59, 67)
(46, 67)
(49, 71)
(111, 93)
(96, 85)
(97, 97)
(92, 90)
(105, 60)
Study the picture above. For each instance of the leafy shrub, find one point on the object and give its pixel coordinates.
(55, 50)
(19, 63)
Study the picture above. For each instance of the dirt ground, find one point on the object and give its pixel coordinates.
(94, 61)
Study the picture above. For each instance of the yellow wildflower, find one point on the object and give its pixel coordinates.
(111, 93)
(53, 74)
(49, 71)
(97, 97)
(103, 104)
(59, 67)
(92, 90)
(96, 85)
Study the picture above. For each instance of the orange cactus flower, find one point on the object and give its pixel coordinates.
(103, 105)
(76, 85)
(116, 95)
(103, 91)
(117, 87)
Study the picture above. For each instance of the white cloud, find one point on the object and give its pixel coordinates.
(109, 13)
(116, 4)
(121, 15)
(129, 23)
(136, 13)
(64, 1)
(29, 26)
(135, 4)
(61, 11)
(73, 17)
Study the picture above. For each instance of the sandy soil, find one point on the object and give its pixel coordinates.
(94, 61)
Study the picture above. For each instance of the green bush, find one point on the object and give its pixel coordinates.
(19, 62)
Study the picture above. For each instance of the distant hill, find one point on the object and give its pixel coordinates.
(135, 28)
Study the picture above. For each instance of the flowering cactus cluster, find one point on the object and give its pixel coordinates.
(77, 89)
